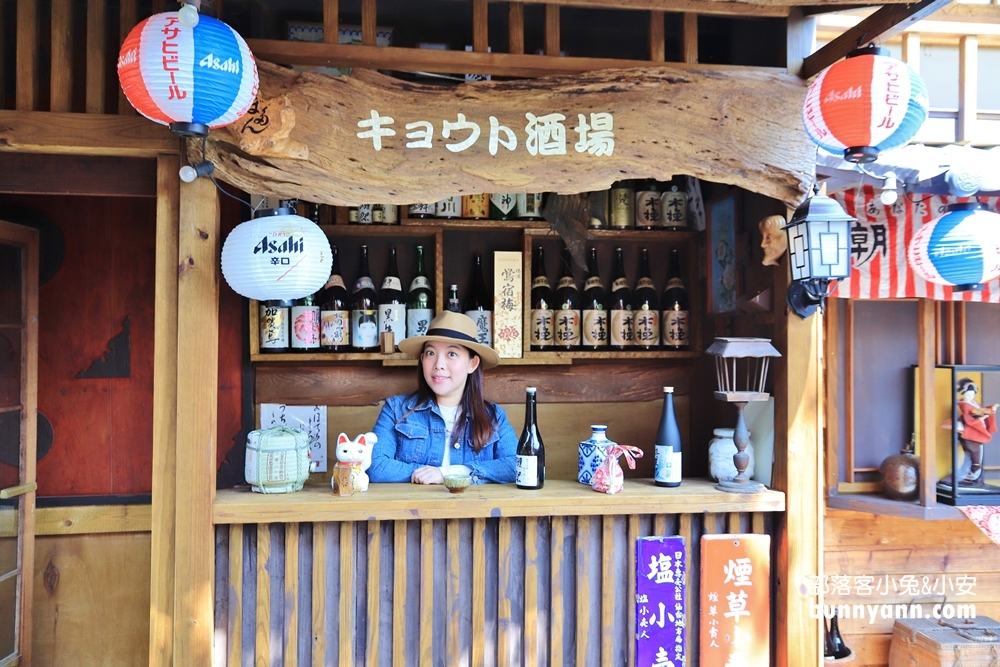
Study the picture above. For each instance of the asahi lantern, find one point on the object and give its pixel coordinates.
(864, 104)
(190, 78)
(276, 256)
(961, 248)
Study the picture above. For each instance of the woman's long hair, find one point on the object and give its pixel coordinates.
(477, 412)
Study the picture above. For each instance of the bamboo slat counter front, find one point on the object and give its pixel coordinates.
(411, 574)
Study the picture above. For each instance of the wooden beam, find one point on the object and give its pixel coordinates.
(369, 23)
(657, 46)
(721, 7)
(797, 461)
(515, 28)
(552, 37)
(800, 36)
(61, 70)
(283, 52)
(26, 94)
(83, 134)
(95, 55)
(968, 81)
(128, 16)
(331, 21)
(161, 593)
(689, 47)
(91, 175)
(831, 409)
(480, 26)
(926, 346)
(911, 50)
(197, 403)
(888, 21)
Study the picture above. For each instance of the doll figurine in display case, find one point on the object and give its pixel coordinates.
(976, 425)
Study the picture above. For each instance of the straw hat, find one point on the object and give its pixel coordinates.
(449, 327)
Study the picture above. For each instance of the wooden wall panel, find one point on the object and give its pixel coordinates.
(102, 426)
(91, 600)
(858, 544)
(538, 589)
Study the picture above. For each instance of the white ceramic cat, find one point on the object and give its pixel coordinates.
(358, 451)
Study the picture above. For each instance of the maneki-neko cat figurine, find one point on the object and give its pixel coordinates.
(353, 459)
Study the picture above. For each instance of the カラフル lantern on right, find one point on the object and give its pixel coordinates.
(960, 249)
(864, 104)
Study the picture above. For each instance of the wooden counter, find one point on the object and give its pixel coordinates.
(406, 574)
(316, 502)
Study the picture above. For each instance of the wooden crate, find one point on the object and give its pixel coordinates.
(928, 642)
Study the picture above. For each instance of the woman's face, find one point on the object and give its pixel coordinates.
(447, 367)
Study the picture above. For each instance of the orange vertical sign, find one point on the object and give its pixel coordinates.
(735, 609)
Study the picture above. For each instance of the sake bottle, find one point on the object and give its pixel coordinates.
(645, 309)
(542, 315)
(335, 311)
(620, 306)
(364, 309)
(305, 325)
(567, 306)
(453, 304)
(420, 300)
(530, 467)
(674, 318)
(594, 330)
(668, 445)
(479, 305)
(391, 305)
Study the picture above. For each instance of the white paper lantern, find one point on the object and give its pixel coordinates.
(277, 255)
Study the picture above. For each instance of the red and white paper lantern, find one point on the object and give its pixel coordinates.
(961, 248)
(864, 104)
(277, 256)
(191, 78)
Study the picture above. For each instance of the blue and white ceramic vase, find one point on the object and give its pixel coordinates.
(593, 451)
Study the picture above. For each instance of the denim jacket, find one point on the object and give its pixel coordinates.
(407, 442)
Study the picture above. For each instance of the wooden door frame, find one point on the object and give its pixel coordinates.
(27, 239)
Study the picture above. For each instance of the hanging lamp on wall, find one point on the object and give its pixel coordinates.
(188, 72)
(960, 249)
(864, 104)
(277, 255)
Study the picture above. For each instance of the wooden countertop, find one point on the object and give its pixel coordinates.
(316, 502)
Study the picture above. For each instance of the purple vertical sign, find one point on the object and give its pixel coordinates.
(660, 602)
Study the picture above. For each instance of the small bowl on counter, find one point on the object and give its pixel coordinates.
(457, 483)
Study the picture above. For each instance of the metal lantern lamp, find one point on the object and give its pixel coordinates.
(819, 251)
(741, 366)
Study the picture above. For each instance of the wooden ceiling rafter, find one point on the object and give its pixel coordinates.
(887, 22)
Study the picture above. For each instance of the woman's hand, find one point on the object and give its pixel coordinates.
(427, 475)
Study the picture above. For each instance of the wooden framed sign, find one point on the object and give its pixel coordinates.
(368, 137)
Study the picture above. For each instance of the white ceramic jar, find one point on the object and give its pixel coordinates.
(593, 451)
(721, 450)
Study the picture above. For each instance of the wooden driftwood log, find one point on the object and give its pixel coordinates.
(737, 126)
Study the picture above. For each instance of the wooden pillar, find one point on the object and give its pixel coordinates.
(657, 47)
(96, 10)
(26, 94)
(331, 21)
(161, 597)
(480, 26)
(800, 38)
(515, 27)
(968, 79)
(61, 70)
(552, 34)
(369, 23)
(797, 472)
(197, 405)
(911, 50)
(926, 358)
(689, 46)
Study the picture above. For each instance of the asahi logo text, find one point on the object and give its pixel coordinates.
(288, 245)
(852, 93)
(128, 57)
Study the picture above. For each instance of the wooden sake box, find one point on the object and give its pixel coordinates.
(929, 642)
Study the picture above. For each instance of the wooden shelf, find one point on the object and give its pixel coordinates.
(379, 230)
(396, 359)
(529, 358)
(316, 502)
(469, 223)
(657, 235)
(877, 504)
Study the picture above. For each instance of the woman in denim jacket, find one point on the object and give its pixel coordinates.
(445, 426)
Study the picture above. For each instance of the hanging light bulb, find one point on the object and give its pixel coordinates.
(888, 196)
(188, 13)
(189, 173)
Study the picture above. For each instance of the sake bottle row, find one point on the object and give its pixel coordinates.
(620, 318)
(483, 206)
(333, 320)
